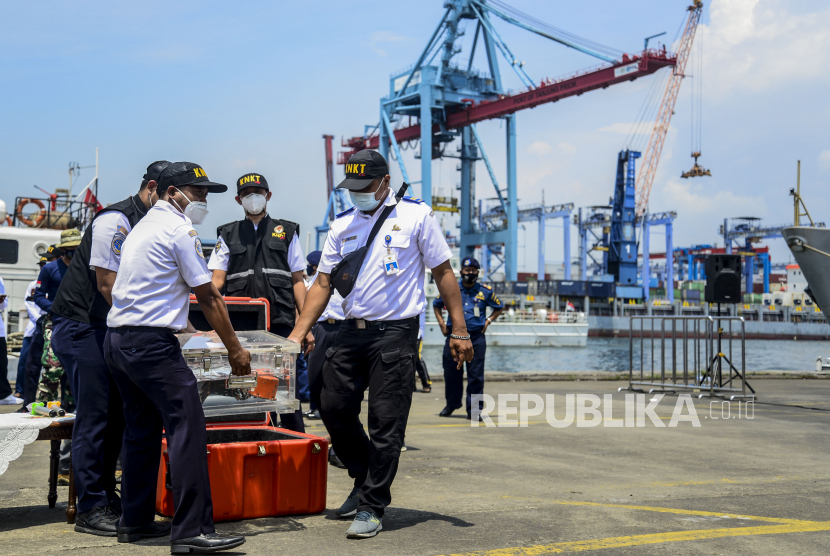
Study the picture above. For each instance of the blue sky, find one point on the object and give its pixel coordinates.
(252, 86)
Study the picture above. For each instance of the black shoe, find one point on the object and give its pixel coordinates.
(101, 521)
(205, 543)
(315, 414)
(334, 460)
(132, 534)
(447, 411)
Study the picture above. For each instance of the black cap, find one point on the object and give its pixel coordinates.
(314, 258)
(362, 168)
(154, 169)
(251, 180)
(52, 252)
(470, 262)
(179, 174)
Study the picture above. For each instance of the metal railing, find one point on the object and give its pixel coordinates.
(700, 352)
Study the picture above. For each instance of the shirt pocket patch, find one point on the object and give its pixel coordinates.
(348, 245)
(401, 242)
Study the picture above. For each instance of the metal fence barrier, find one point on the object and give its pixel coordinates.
(701, 355)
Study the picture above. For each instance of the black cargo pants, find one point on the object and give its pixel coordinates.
(380, 357)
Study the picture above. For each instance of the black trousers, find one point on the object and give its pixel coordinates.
(381, 358)
(454, 377)
(324, 335)
(5, 387)
(33, 363)
(159, 390)
(99, 421)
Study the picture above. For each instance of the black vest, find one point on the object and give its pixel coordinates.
(258, 265)
(78, 297)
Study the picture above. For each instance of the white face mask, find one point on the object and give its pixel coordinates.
(197, 211)
(254, 203)
(365, 201)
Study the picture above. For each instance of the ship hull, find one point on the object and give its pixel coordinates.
(803, 241)
(522, 334)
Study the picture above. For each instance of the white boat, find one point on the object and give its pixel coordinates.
(524, 329)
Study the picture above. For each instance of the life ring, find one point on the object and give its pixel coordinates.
(27, 221)
(553, 317)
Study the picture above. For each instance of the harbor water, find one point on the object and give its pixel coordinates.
(612, 354)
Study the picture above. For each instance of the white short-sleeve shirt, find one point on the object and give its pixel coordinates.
(32, 309)
(221, 256)
(108, 234)
(412, 234)
(161, 261)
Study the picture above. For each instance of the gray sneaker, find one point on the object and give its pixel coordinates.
(365, 525)
(349, 507)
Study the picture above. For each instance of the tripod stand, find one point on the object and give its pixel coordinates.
(714, 370)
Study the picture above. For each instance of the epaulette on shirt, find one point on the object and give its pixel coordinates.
(485, 286)
(413, 200)
(345, 212)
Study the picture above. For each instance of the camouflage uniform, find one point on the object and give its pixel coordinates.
(53, 380)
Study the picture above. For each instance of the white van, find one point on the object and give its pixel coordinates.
(20, 251)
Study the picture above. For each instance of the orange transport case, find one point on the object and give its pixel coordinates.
(257, 471)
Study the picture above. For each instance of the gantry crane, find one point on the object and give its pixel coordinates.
(448, 99)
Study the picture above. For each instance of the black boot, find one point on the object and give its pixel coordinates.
(447, 411)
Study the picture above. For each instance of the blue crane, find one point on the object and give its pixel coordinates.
(447, 98)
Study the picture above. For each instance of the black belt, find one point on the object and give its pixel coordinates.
(330, 321)
(362, 324)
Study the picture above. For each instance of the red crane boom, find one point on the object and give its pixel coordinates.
(629, 69)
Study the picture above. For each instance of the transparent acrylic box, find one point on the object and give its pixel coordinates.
(269, 387)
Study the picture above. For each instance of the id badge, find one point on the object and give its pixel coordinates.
(390, 264)
(476, 311)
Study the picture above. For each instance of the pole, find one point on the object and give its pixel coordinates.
(541, 270)
(566, 225)
(510, 249)
(426, 140)
(797, 220)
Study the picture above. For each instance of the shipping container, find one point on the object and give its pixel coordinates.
(573, 288)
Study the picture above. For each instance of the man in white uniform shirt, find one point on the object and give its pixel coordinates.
(162, 262)
(79, 325)
(376, 345)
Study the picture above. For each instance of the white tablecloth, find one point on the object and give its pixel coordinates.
(16, 431)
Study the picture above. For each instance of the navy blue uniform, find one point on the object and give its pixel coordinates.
(48, 282)
(476, 300)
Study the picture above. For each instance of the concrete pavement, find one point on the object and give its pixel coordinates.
(731, 486)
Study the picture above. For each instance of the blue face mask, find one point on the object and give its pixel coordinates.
(366, 201)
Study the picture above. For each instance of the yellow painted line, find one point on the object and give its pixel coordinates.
(785, 526)
(657, 538)
(682, 512)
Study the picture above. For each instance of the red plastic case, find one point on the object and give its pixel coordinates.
(257, 471)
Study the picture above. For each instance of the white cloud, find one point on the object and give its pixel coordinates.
(625, 128)
(760, 45)
(384, 37)
(824, 159)
(539, 148)
(691, 198)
